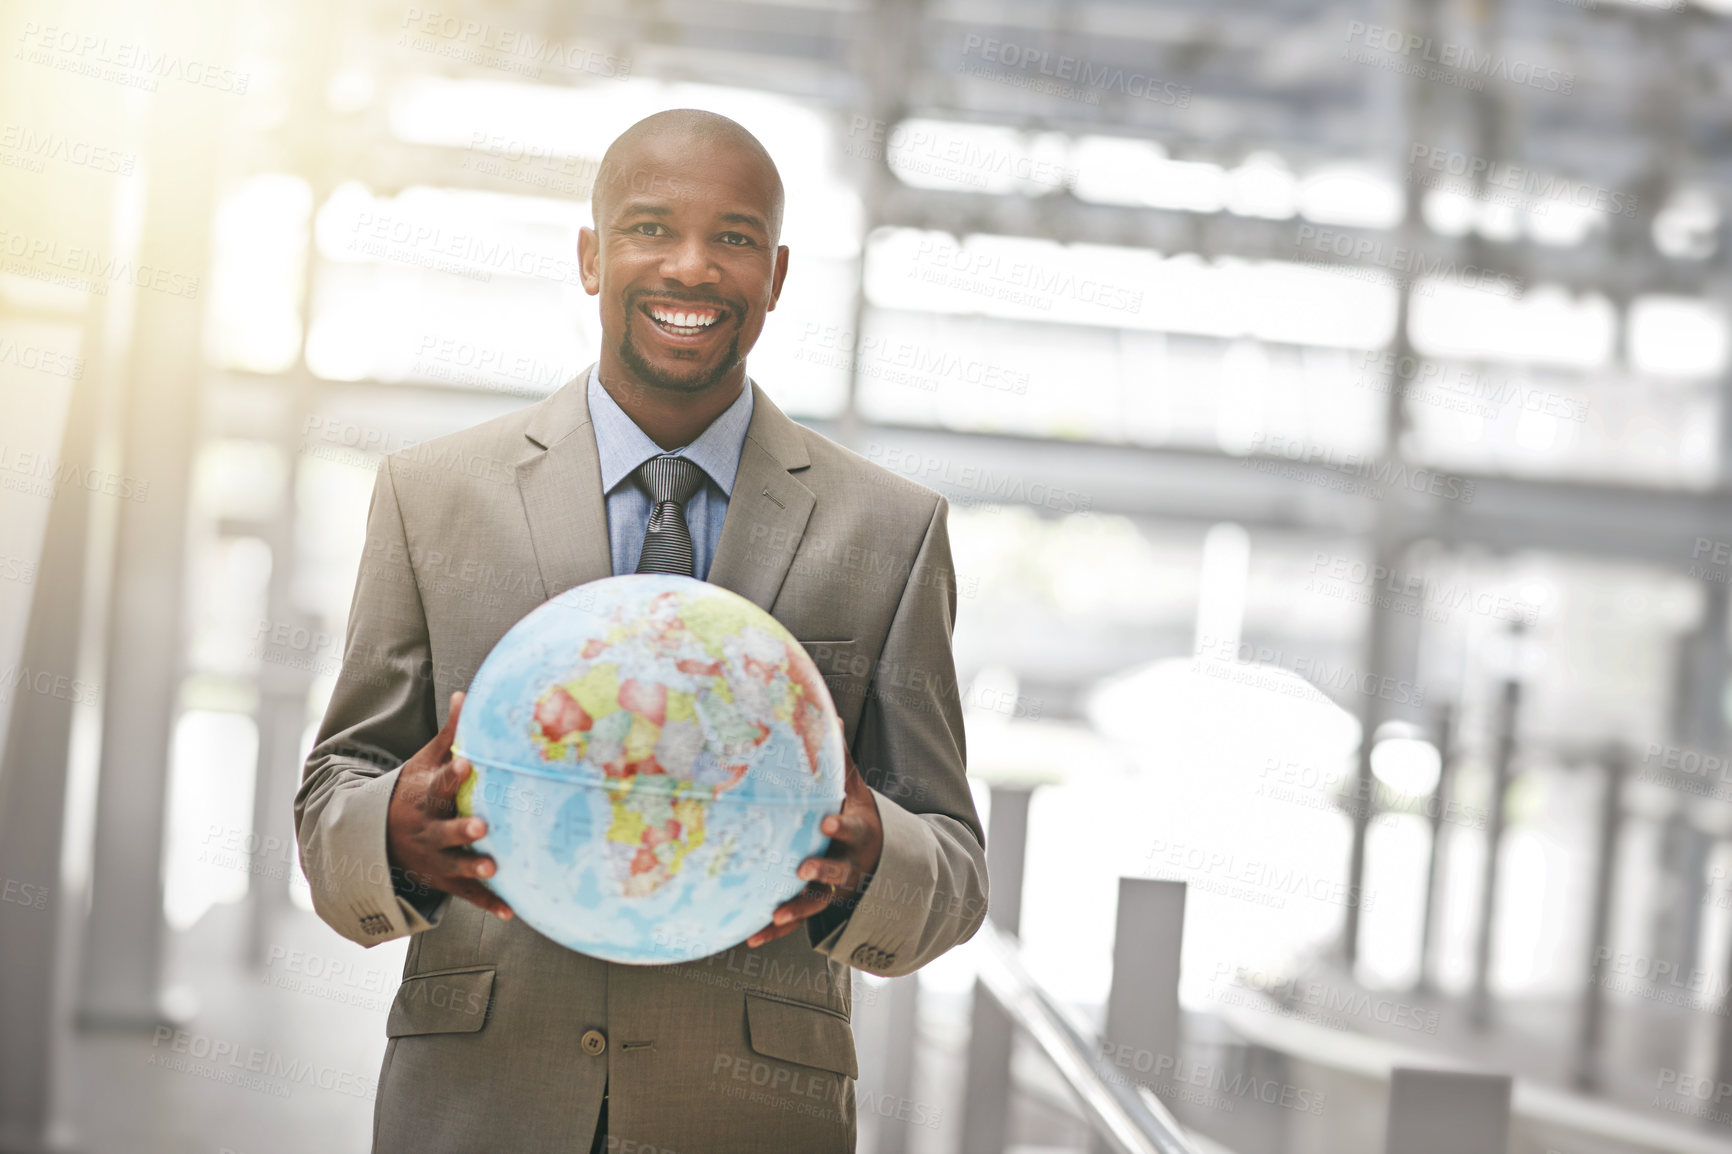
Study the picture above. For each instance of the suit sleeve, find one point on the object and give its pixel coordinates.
(929, 891)
(381, 713)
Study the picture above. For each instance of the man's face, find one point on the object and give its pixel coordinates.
(683, 260)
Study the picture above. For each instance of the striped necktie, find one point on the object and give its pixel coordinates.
(667, 542)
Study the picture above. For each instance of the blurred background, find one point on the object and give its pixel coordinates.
(1331, 399)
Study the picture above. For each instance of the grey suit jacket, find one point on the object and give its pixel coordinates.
(501, 1040)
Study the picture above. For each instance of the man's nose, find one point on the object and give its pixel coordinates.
(688, 263)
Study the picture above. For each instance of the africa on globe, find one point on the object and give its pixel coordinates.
(653, 756)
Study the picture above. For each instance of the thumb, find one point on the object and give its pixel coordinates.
(441, 743)
(850, 770)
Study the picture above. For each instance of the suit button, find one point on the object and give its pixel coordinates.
(594, 1041)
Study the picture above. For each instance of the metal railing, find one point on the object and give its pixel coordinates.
(1125, 1115)
(1142, 1021)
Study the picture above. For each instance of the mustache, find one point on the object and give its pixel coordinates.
(642, 296)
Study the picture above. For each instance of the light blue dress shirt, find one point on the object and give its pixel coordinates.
(622, 447)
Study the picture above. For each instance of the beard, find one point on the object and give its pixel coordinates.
(694, 380)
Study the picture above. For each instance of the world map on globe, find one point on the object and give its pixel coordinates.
(653, 756)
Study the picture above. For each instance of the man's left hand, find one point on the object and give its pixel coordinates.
(856, 842)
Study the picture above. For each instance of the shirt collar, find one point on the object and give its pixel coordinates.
(622, 446)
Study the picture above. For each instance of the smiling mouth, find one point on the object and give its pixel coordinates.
(683, 320)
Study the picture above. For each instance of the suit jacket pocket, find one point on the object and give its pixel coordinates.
(442, 1002)
(796, 1032)
(846, 670)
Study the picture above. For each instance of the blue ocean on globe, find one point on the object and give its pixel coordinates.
(653, 756)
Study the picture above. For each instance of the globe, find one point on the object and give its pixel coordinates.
(653, 756)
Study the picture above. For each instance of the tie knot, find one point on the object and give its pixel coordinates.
(669, 478)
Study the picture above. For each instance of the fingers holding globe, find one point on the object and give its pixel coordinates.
(841, 875)
(655, 760)
(429, 844)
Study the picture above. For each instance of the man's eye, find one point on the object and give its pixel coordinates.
(649, 224)
(737, 239)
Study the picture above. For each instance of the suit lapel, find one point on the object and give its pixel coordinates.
(560, 483)
(768, 510)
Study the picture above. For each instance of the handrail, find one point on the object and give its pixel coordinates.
(1128, 1116)
(1373, 1059)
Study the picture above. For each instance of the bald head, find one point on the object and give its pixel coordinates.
(634, 158)
(686, 258)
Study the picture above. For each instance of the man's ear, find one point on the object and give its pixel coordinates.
(780, 276)
(589, 260)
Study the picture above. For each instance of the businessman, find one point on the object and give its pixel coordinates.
(662, 457)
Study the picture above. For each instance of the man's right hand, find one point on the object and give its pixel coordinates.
(425, 839)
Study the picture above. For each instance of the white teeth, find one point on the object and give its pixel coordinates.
(683, 320)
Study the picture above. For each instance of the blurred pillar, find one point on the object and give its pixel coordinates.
(1591, 1027)
(1722, 292)
(879, 59)
(1143, 1001)
(901, 1022)
(991, 1035)
(285, 683)
(1680, 887)
(33, 781)
(1382, 643)
(282, 719)
(1392, 675)
(1698, 711)
(1444, 1112)
(121, 968)
(1714, 695)
(1440, 798)
(1697, 723)
(1503, 756)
